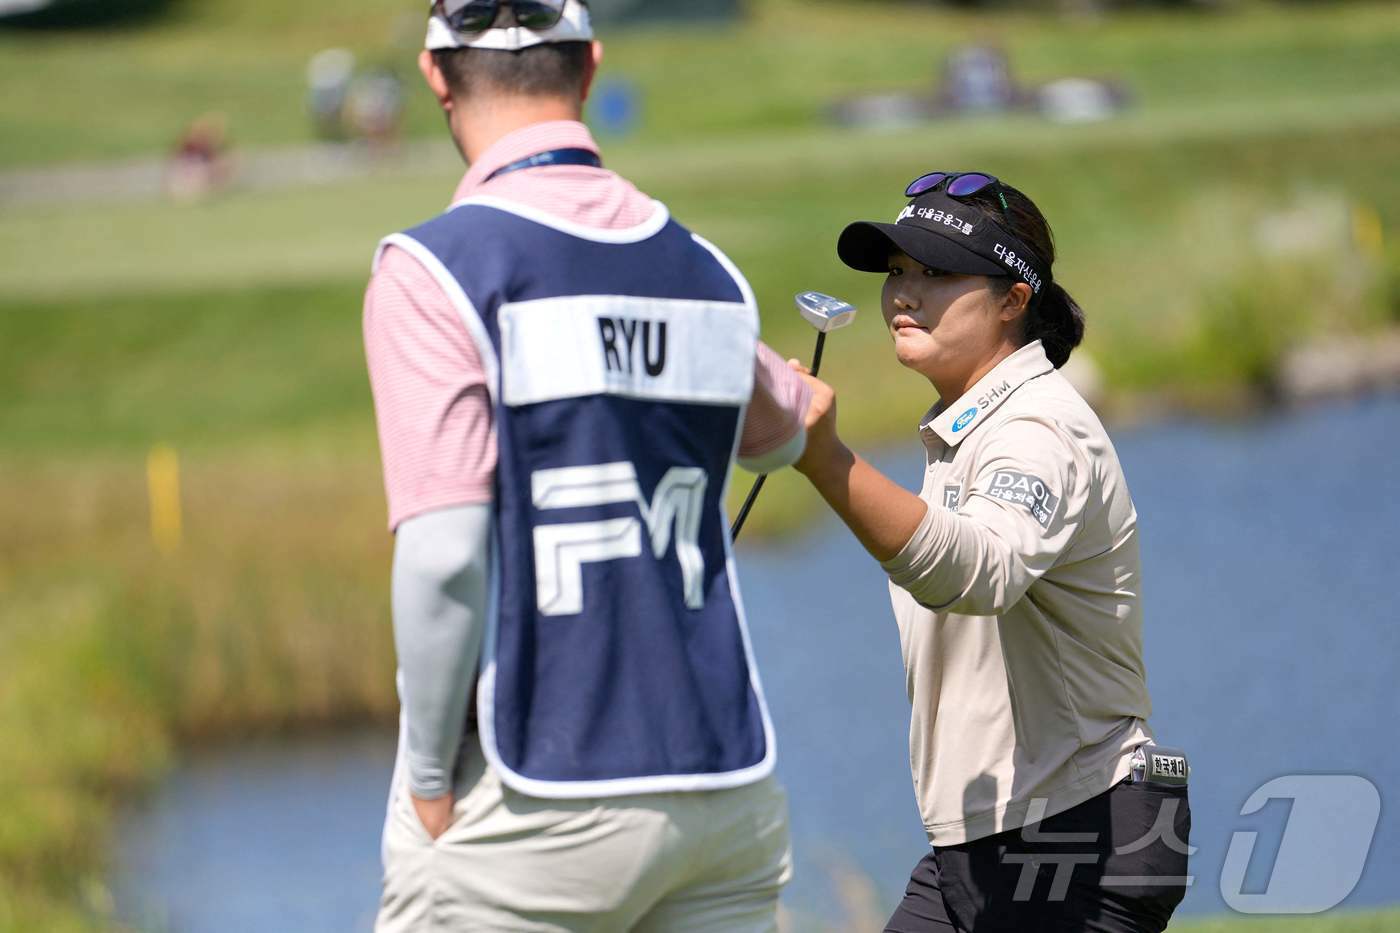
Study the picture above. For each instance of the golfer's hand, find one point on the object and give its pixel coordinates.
(435, 815)
(823, 444)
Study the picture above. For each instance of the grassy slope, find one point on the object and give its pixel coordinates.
(178, 308)
(247, 57)
(182, 347)
(231, 329)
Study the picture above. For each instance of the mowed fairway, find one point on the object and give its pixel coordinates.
(230, 329)
(1238, 119)
(133, 323)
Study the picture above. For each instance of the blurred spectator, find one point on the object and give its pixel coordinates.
(374, 108)
(978, 78)
(346, 105)
(328, 77)
(200, 164)
(1081, 100)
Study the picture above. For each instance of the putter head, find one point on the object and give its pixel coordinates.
(824, 312)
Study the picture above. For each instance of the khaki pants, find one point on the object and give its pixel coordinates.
(704, 862)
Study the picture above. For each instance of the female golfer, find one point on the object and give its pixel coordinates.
(1015, 582)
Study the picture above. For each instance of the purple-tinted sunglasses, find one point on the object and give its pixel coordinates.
(959, 185)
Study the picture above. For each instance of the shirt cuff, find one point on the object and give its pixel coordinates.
(427, 779)
(786, 454)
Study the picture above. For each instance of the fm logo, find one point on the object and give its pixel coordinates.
(674, 512)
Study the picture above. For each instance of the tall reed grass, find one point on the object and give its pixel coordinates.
(272, 616)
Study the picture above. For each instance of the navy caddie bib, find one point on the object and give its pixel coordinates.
(616, 658)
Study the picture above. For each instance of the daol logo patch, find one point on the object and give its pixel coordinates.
(1026, 490)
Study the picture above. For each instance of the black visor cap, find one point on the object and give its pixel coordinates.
(867, 246)
(941, 233)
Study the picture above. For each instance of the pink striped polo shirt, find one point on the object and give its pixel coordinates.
(436, 437)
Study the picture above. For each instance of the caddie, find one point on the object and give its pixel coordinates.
(562, 378)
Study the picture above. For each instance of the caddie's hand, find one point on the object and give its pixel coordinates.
(435, 815)
(822, 441)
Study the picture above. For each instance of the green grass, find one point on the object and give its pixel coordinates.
(193, 369)
(240, 317)
(231, 329)
(128, 92)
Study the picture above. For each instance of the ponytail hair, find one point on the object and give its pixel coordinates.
(1053, 317)
(1057, 321)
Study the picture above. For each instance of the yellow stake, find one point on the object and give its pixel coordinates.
(163, 482)
(1367, 231)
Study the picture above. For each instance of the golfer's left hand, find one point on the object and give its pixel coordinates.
(822, 441)
(435, 815)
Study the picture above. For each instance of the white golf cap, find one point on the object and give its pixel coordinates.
(573, 26)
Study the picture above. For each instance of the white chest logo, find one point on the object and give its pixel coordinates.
(952, 497)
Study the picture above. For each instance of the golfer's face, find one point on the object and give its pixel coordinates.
(943, 325)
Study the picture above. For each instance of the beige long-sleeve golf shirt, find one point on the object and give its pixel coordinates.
(1018, 607)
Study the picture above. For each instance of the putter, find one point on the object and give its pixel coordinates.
(826, 314)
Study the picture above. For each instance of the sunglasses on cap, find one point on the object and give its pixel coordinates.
(480, 15)
(956, 185)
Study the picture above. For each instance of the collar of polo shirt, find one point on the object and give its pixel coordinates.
(953, 422)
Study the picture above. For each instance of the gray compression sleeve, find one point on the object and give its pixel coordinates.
(439, 602)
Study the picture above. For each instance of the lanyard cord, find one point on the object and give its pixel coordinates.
(551, 157)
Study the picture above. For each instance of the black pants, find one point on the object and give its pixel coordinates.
(1125, 873)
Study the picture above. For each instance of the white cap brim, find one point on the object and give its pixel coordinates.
(573, 26)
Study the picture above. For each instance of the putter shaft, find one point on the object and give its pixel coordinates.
(763, 478)
(817, 354)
